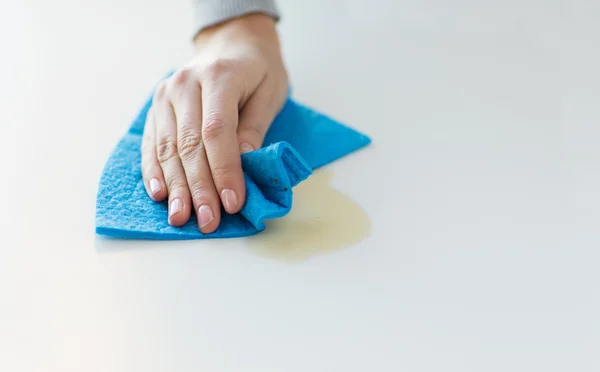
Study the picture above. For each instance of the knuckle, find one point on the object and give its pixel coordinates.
(181, 77)
(219, 67)
(176, 182)
(213, 126)
(189, 143)
(221, 171)
(166, 149)
(200, 192)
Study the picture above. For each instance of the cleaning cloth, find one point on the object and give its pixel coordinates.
(298, 141)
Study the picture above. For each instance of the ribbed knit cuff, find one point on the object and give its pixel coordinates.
(211, 12)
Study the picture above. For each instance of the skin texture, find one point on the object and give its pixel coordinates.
(217, 106)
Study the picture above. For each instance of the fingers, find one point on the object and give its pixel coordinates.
(220, 98)
(168, 158)
(151, 171)
(192, 142)
(257, 116)
(188, 112)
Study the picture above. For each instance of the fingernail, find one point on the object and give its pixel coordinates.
(154, 186)
(230, 200)
(245, 148)
(205, 215)
(176, 207)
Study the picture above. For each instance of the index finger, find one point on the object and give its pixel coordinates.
(219, 132)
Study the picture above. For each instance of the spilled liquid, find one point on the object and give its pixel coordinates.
(322, 220)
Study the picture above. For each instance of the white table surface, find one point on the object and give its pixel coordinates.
(479, 245)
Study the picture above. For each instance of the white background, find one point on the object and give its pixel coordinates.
(481, 186)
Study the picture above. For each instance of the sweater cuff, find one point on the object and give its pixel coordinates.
(211, 12)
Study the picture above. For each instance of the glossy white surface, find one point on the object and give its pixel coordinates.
(481, 185)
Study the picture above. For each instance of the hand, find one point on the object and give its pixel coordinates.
(219, 105)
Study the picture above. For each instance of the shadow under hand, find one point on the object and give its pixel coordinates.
(322, 220)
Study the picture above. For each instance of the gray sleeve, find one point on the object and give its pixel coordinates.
(210, 12)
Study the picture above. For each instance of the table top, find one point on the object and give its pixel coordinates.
(464, 238)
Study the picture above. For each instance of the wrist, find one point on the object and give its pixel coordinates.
(254, 25)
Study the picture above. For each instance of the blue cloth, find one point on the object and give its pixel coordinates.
(298, 141)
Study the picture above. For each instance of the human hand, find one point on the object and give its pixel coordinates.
(219, 105)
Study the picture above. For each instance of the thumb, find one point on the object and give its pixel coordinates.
(256, 117)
